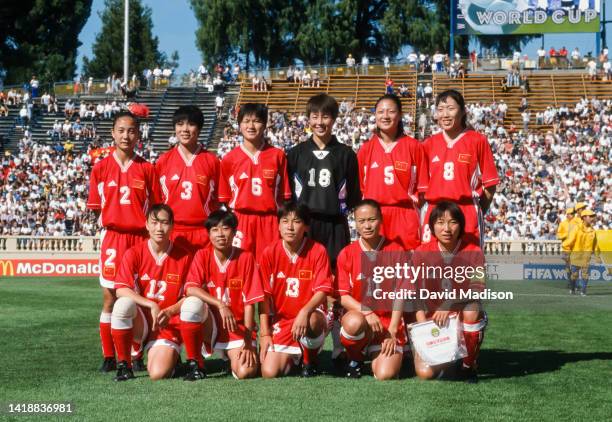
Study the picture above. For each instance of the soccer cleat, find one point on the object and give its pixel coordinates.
(124, 372)
(138, 365)
(310, 370)
(353, 369)
(571, 292)
(583, 294)
(108, 365)
(227, 368)
(469, 375)
(193, 371)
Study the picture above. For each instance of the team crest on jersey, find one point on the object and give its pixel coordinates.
(175, 177)
(138, 184)
(145, 277)
(464, 158)
(173, 278)
(108, 271)
(374, 165)
(211, 285)
(305, 274)
(243, 176)
(235, 283)
(320, 154)
(268, 174)
(202, 180)
(280, 274)
(112, 184)
(401, 166)
(435, 159)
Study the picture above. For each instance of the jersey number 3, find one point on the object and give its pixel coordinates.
(293, 287)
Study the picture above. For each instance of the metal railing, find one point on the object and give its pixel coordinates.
(28, 244)
(89, 244)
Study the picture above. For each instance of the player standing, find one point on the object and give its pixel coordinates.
(448, 248)
(121, 188)
(188, 175)
(297, 279)
(461, 167)
(227, 278)
(254, 182)
(324, 176)
(377, 332)
(393, 172)
(149, 307)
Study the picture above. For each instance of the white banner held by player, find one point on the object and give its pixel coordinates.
(438, 345)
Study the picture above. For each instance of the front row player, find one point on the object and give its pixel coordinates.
(377, 332)
(449, 247)
(297, 279)
(149, 309)
(227, 279)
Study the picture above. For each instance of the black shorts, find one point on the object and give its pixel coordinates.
(332, 232)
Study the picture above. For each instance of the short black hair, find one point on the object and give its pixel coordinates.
(190, 113)
(322, 103)
(455, 95)
(300, 210)
(155, 209)
(257, 109)
(453, 209)
(226, 218)
(125, 113)
(369, 203)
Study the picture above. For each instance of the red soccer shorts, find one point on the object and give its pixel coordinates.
(170, 335)
(283, 339)
(190, 238)
(223, 339)
(113, 247)
(474, 222)
(375, 344)
(401, 224)
(255, 232)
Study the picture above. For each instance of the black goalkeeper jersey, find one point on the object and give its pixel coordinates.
(326, 180)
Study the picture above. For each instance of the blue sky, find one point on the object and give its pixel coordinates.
(174, 24)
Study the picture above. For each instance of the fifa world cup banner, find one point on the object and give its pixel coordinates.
(49, 267)
(495, 17)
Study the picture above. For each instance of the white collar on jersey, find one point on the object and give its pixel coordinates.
(188, 162)
(364, 247)
(446, 255)
(386, 147)
(451, 142)
(293, 257)
(223, 267)
(159, 259)
(124, 168)
(254, 157)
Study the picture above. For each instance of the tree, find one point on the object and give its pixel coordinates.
(40, 37)
(107, 49)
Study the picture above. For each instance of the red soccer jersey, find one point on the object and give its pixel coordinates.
(254, 183)
(236, 282)
(160, 279)
(292, 280)
(350, 275)
(459, 169)
(123, 194)
(466, 255)
(189, 186)
(393, 174)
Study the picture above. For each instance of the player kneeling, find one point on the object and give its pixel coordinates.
(378, 333)
(453, 317)
(226, 278)
(149, 309)
(297, 279)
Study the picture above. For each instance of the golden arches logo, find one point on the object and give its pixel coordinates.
(6, 268)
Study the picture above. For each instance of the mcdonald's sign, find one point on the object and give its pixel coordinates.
(6, 268)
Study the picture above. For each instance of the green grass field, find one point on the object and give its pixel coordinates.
(547, 357)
